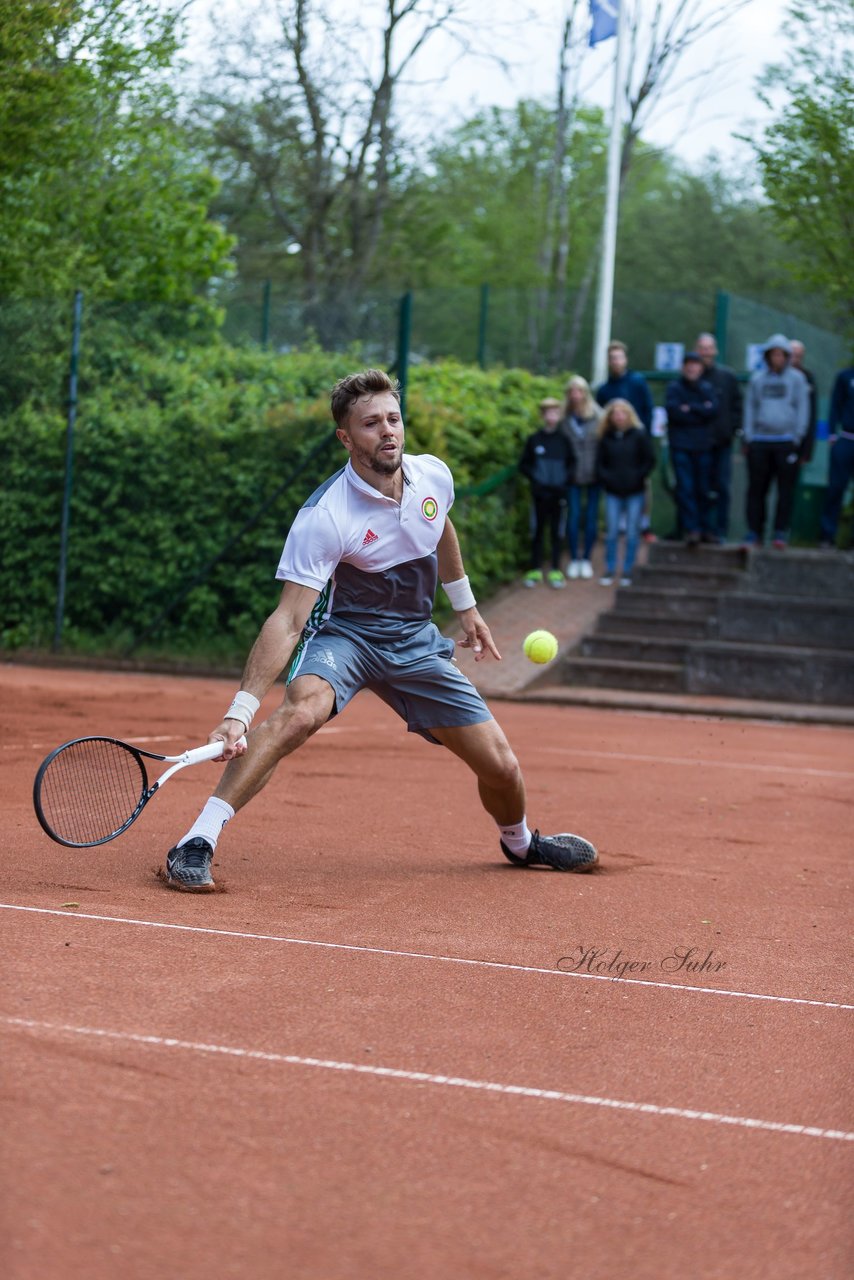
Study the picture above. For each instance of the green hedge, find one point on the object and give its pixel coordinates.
(174, 454)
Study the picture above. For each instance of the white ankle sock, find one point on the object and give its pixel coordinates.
(210, 822)
(517, 837)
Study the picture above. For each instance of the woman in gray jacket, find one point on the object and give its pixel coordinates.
(580, 423)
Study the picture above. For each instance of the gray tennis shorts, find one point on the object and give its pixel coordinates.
(419, 680)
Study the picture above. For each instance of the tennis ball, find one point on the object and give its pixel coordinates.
(540, 646)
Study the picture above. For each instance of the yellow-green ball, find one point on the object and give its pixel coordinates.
(540, 646)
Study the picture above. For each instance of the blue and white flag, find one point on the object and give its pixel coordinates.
(604, 16)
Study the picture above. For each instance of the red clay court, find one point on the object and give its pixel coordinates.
(385, 1052)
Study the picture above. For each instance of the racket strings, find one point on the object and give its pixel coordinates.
(91, 789)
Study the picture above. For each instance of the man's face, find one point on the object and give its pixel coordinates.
(707, 348)
(373, 433)
(777, 359)
(798, 355)
(691, 370)
(618, 362)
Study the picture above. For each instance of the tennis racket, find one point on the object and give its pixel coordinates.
(90, 790)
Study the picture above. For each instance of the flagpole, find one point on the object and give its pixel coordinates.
(605, 295)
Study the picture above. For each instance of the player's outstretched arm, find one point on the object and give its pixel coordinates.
(452, 574)
(276, 641)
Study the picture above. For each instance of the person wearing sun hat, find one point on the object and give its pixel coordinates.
(548, 463)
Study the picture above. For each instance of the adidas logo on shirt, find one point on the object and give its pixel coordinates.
(370, 537)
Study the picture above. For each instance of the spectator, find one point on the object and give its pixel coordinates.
(725, 425)
(623, 384)
(548, 462)
(841, 470)
(808, 445)
(776, 419)
(580, 423)
(692, 407)
(624, 459)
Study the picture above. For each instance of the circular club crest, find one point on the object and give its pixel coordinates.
(429, 508)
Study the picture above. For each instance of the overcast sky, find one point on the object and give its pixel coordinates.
(728, 105)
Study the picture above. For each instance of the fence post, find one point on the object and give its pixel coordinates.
(404, 334)
(481, 327)
(721, 322)
(69, 463)
(265, 315)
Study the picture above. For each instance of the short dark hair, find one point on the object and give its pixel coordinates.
(369, 382)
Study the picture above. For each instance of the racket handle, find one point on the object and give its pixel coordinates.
(210, 751)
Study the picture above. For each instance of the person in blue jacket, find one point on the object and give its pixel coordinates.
(841, 424)
(692, 406)
(624, 384)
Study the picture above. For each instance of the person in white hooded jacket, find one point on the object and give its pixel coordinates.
(776, 420)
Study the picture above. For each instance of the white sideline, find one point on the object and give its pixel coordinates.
(426, 1077)
(421, 955)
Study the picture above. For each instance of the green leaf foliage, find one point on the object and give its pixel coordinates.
(174, 455)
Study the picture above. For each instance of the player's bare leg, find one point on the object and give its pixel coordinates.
(306, 707)
(485, 749)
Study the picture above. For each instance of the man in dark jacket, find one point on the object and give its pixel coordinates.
(548, 463)
(841, 423)
(624, 384)
(692, 407)
(724, 427)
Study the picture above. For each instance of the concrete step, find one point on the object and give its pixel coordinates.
(825, 575)
(633, 648)
(615, 673)
(651, 625)
(688, 577)
(678, 604)
(677, 554)
(786, 620)
(778, 672)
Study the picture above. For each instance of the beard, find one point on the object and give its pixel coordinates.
(383, 464)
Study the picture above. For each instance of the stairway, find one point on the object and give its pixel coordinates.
(722, 621)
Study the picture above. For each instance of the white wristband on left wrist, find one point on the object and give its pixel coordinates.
(460, 594)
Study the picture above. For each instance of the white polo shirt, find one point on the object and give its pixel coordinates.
(373, 559)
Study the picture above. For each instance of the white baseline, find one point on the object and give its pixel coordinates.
(422, 955)
(426, 1077)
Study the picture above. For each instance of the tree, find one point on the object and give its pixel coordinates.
(301, 126)
(97, 188)
(806, 156)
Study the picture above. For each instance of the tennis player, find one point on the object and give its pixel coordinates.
(359, 569)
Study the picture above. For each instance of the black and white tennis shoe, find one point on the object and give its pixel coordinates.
(188, 866)
(564, 852)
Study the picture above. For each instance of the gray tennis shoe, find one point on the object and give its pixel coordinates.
(564, 852)
(188, 866)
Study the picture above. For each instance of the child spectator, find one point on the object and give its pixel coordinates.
(580, 424)
(624, 459)
(692, 407)
(547, 461)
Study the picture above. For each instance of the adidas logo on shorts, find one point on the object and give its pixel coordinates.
(370, 537)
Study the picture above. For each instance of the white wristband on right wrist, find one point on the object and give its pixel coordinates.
(243, 707)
